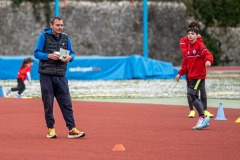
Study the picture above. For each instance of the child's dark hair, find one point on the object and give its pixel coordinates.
(195, 25)
(193, 30)
(26, 61)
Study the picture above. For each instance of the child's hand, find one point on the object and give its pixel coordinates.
(208, 64)
(177, 78)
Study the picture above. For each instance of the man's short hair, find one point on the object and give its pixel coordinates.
(54, 18)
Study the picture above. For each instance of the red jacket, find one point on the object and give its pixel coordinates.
(194, 61)
(184, 42)
(22, 73)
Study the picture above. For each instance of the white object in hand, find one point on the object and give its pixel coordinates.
(56, 52)
(63, 53)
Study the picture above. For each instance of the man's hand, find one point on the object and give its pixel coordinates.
(208, 64)
(53, 56)
(67, 59)
(177, 78)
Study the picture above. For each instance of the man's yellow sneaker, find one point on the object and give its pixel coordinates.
(51, 133)
(208, 114)
(191, 114)
(74, 133)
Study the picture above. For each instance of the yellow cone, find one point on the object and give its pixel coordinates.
(238, 120)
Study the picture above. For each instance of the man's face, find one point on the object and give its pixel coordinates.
(192, 36)
(57, 26)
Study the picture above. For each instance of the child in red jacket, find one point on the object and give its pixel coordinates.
(23, 73)
(195, 61)
(184, 42)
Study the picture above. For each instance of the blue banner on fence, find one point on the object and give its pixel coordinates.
(98, 68)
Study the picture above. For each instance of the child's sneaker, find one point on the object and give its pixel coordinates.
(203, 122)
(8, 91)
(18, 96)
(208, 114)
(206, 125)
(51, 133)
(74, 133)
(191, 114)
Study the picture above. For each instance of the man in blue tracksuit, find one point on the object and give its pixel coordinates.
(52, 76)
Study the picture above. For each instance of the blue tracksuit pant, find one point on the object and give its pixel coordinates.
(56, 86)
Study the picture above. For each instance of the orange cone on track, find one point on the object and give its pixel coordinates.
(118, 147)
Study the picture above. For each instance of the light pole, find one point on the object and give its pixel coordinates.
(145, 28)
(57, 8)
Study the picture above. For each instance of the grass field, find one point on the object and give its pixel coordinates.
(219, 85)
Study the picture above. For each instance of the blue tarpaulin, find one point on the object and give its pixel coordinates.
(98, 68)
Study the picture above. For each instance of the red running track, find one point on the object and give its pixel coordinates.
(147, 132)
(224, 68)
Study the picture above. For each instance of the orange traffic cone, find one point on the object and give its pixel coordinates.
(118, 147)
